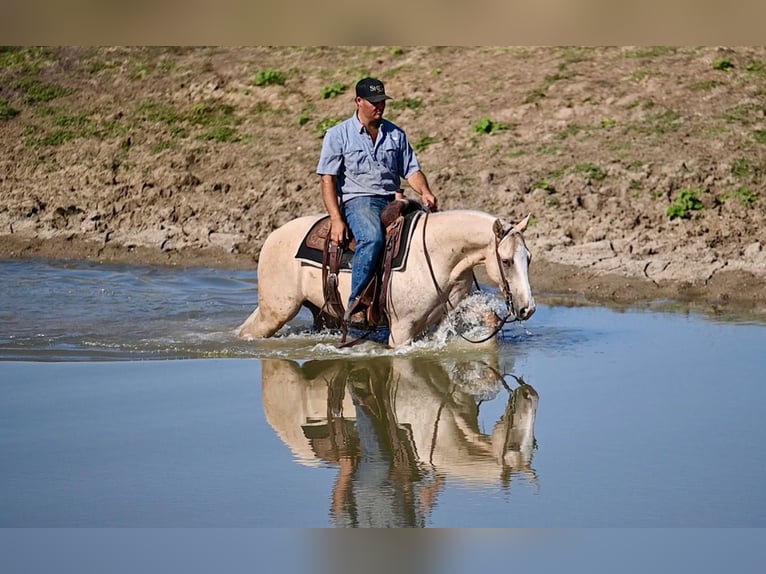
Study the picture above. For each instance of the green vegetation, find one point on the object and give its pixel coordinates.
(334, 90)
(685, 203)
(571, 130)
(744, 195)
(663, 122)
(68, 127)
(742, 168)
(540, 91)
(487, 126)
(36, 92)
(756, 68)
(6, 111)
(723, 64)
(269, 78)
(326, 124)
(705, 85)
(545, 186)
(760, 136)
(423, 143)
(650, 52)
(592, 171)
(217, 119)
(411, 103)
(25, 61)
(741, 114)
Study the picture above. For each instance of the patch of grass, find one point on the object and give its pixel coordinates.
(155, 112)
(207, 114)
(607, 123)
(218, 119)
(303, 119)
(6, 111)
(96, 66)
(593, 171)
(36, 92)
(139, 69)
(760, 136)
(649, 52)
(545, 185)
(161, 146)
(487, 125)
(741, 114)
(742, 167)
(269, 78)
(573, 54)
(757, 68)
(326, 124)
(221, 134)
(571, 130)
(334, 90)
(744, 195)
(541, 91)
(26, 61)
(722, 64)
(423, 143)
(639, 75)
(685, 203)
(61, 127)
(411, 103)
(664, 122)
(705, 85)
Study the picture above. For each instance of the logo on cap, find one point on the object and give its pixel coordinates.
(371, 90)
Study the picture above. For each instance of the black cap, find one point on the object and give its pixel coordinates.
(371, 90)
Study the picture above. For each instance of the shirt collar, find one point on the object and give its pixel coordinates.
(361, 129)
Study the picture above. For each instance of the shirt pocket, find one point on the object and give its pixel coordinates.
(388, 157)
(358, 161)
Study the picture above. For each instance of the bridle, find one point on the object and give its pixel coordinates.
(510, 316)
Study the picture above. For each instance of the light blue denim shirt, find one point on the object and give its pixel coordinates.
(364, 169)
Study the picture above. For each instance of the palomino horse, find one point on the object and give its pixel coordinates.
(423, 415)
(446, 246)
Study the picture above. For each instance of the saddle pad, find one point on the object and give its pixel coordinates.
(310, 250)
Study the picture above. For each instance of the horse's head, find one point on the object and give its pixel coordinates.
(509, 267)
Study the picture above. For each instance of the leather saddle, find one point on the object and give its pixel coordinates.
(374, 295)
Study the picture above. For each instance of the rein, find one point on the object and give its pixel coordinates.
(444, 299)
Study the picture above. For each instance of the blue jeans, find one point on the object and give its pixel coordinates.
(363, 218)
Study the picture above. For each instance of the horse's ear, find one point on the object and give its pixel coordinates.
(521, 226)
(499, 229)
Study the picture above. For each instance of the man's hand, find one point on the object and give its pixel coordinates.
(429, 200)
(338, 230)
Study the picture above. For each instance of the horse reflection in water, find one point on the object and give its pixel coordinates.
(397, 429)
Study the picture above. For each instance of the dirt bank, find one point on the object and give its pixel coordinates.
(643, 167)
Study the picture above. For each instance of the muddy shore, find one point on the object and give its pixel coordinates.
(643, 168)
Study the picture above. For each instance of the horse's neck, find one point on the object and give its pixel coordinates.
(460, 238)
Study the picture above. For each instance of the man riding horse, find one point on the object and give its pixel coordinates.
(361, 165)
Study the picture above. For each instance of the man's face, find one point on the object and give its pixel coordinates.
(369, 111)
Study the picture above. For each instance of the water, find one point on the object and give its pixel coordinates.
(127, 400)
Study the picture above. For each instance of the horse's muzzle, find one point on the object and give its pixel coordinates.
(524, 313)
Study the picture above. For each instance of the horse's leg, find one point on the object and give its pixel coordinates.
(275, 308)
(265, 322)
(401, 333)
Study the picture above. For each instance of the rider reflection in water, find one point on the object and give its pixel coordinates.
(361, 165)
(380, 484)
